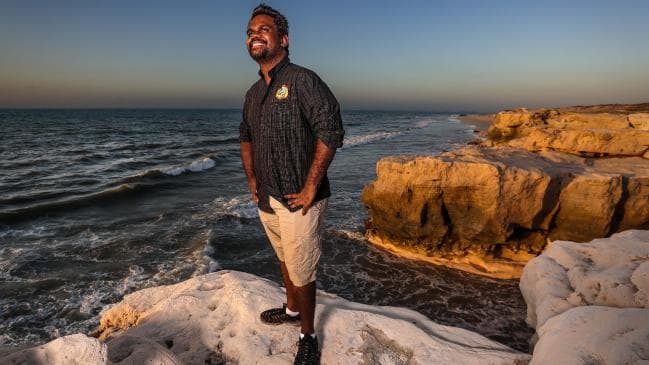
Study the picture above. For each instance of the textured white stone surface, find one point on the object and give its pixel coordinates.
(77, 349)
(589, 301)
(214, 319)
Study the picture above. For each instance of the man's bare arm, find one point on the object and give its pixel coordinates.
(321, 160)
(248, 167)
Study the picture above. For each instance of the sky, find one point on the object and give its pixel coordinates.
(460, 56)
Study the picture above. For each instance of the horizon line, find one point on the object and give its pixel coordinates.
(235, 109)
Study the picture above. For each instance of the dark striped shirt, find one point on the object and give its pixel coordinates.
(283, 121)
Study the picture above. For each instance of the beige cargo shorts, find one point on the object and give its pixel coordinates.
(296, 238)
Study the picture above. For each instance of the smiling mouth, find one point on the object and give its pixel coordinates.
(255, 44)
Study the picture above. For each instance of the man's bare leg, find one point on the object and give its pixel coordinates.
(291, 299)
(306, 300)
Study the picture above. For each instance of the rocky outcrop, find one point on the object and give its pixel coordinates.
(639, 121)
(589, 302)
(77, 349)
(214, 319)
(480, 205)
(619, 131)
(552, 174)
(590, 142)
(610, 272)
(594, 335)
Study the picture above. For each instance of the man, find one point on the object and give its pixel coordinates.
(289, 133)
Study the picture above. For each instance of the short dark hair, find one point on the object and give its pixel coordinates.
(279, 19)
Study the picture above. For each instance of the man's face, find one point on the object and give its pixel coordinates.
(263, 40)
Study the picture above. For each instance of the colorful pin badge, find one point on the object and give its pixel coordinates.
(282, 93)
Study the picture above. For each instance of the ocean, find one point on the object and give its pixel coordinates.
(96, 204)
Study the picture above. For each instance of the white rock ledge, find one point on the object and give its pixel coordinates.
(214, 319)
(589, 302)
(594, 335)
(77, 349)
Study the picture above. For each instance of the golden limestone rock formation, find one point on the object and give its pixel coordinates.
(596, 131)
(490, 208)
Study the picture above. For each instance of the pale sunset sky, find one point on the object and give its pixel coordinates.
(407, 55)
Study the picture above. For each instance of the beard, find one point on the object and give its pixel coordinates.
(264, 54)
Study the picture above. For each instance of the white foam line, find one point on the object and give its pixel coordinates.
(203, 260)
(201, 164)
(368, 138)
(354, 235)
(423, 123)
(454, 118)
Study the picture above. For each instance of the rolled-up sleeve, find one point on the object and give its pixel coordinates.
(321, 109)
(244, 127)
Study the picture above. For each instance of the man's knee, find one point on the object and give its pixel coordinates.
(300, 277)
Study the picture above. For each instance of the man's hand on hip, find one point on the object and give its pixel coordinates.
(321, 161)
(254, 197)
(302, 199)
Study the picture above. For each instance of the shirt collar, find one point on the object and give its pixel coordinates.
(278, 67)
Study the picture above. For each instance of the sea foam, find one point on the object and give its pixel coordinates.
(368, 138)
(201, 164)
(377, 136)
(424, 123)
(240, 206)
